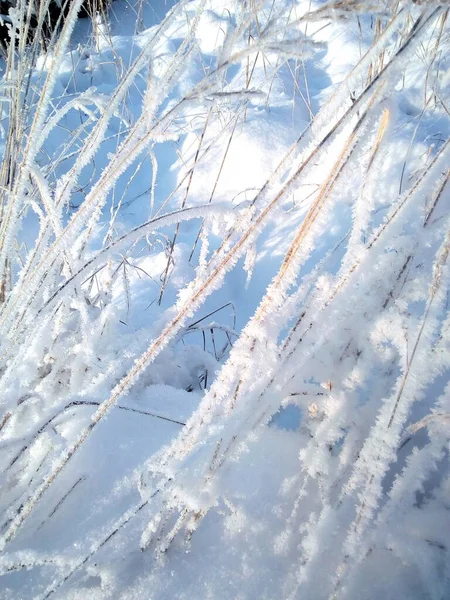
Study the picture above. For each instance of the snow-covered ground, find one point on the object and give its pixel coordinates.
(249, 398)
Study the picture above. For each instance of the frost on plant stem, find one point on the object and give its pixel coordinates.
(224, 304)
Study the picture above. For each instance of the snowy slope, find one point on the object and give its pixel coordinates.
(248, 398)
